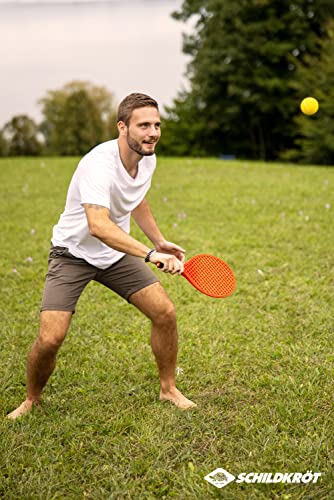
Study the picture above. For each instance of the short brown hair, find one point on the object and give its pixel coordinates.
(132, 102)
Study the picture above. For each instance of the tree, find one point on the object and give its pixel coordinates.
(243, 56)
(182, 131)
(79, 127)
(21, 137)
(56, 111)
(3, 145)
(316, 78)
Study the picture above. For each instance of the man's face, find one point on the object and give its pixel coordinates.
(143, 132)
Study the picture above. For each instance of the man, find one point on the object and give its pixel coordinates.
(92, 242)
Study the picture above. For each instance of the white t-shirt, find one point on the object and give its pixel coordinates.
(101, 179)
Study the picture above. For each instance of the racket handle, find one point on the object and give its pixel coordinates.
(161, 266)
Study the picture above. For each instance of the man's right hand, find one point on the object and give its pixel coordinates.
(171, 264)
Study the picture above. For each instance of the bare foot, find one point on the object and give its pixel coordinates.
(176, 397)
(24, 408)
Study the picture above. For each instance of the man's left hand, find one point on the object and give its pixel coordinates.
(171, 248)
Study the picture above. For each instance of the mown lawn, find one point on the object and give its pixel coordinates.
(259, 364)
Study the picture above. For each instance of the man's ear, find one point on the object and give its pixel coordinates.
(122, 128)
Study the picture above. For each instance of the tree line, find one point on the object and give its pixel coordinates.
(75, 118)
(251, 64)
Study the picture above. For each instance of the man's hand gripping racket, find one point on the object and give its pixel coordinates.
(209, 274)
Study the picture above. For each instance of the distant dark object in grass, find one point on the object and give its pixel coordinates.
(226, 157)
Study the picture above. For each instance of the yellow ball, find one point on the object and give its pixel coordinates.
(309, 106)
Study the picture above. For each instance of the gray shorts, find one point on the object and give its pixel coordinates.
(67, 276)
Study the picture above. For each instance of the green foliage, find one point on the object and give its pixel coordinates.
(244, 55)
(177, 136)
(20, 137)
(3, 145)
(316, 78)
(259, 364)
(77, 117)
(80, 126)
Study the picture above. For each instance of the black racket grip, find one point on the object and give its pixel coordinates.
(160, 265)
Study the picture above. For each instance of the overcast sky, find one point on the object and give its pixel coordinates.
(126, 45)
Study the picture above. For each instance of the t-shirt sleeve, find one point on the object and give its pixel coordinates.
(95, 185)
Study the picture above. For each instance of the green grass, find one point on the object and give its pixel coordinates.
(259, 364)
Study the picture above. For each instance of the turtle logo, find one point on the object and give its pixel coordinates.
(219, 478)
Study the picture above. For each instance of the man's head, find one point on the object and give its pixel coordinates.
(138, 120)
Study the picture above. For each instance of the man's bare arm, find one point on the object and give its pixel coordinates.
(144, 218)
(101, 227)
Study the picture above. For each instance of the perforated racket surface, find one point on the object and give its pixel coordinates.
(210, 275)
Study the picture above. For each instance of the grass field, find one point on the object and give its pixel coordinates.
(259, 364)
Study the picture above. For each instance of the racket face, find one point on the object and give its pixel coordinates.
(210, 275)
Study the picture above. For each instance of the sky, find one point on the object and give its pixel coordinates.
(125, 45)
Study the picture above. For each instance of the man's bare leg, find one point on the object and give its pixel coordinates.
(155, 304)
(42, 357)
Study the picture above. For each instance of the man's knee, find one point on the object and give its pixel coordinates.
(166, 314)
(48, 343)
(154, 302)
(53, 329)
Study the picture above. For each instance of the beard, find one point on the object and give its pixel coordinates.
(137, 148)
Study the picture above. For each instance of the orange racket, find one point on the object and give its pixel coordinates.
(209, 275)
